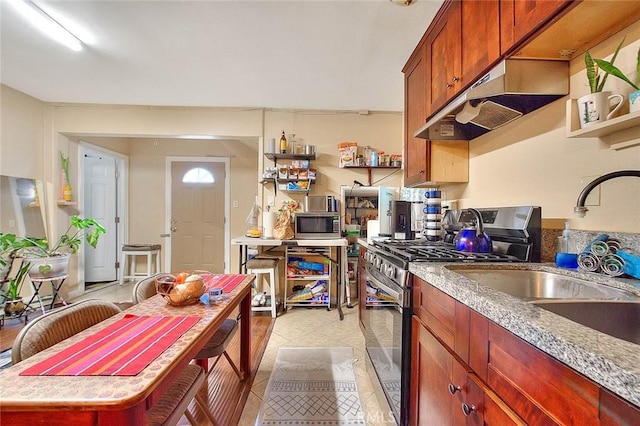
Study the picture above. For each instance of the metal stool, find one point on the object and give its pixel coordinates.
(132, 251)
(261, 267)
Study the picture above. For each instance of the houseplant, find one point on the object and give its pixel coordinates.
(13, 304)
(609, 68)
(595, 107)
(52, 260)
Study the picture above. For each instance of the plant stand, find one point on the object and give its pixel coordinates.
(56, 285)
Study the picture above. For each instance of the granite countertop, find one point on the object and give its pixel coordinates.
(613, 363)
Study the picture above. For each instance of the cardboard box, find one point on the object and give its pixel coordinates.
(348, 153)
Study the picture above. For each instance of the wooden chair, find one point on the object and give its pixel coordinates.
(216, 347)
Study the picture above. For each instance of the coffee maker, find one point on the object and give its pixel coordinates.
(406, 220)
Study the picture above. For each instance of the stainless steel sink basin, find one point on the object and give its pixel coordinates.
(535, 285)
(615, 318)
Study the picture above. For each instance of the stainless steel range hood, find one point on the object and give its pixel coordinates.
(513, 88)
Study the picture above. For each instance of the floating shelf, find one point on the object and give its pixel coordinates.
(63, 203)
(369, 168)
(276, 157)
(620, 132)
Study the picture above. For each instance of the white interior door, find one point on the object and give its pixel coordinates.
(197, 216)
(100, 195)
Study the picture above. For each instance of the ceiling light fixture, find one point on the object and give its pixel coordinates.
(403, 2)
(45, 23)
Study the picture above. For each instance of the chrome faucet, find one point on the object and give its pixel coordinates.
(580, 210)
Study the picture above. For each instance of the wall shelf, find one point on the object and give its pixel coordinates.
(63, 203)
(620, 132)
(370, 168)
(276, 156)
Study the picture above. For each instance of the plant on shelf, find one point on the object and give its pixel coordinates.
(609, 68)
(593, 67)
(64, 163)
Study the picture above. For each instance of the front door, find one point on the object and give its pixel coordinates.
(197, 216)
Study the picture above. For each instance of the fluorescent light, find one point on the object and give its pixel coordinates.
(45, 23)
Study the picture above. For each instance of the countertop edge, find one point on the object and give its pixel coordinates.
(610, 362)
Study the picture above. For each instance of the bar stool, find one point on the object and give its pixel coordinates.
(131, 252)
(262, 267)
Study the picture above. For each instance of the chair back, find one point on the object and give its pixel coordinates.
(144, 289)
(60, 324)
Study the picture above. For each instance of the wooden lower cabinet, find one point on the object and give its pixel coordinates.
(496, 377)
(445, 391)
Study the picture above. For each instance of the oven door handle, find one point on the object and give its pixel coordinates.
(393, 293)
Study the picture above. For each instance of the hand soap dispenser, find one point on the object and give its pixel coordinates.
(566, 255)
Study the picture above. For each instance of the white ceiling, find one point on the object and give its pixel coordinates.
(296, 54)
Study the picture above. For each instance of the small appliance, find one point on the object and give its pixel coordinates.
(402, 223)
(320, 203)
(317, 225)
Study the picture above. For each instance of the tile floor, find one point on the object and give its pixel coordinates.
(307, 327)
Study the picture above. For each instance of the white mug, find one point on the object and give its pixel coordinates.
(596, 107)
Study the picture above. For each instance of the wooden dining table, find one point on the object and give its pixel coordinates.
(120, 400)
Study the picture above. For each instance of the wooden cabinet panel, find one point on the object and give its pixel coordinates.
(480, 38)
(416, 150)
(444, 59)
(540, 389)
(519, 19)
(616, 411)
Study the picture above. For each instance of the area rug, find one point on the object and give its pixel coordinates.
(312, 386)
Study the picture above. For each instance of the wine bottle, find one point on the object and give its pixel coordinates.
(283, 144)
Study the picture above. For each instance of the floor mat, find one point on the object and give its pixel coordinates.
(312, 386)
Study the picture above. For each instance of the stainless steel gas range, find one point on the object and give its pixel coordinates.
(386, 320)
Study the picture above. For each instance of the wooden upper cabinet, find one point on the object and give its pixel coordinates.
(443, 54)
(462, 44)
(416, 150)
(521, 18)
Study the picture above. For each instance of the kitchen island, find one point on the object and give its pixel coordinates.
(613, 364)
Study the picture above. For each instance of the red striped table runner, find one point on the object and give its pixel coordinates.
(124, 348)
(227, 282)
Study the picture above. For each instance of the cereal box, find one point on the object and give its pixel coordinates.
(348, 152)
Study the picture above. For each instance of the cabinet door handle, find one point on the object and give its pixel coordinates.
(453, 388)
(468, 409)
(455, 79)
(448, 85)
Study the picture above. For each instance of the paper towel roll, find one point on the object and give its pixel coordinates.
(268, 222)
(373, 230)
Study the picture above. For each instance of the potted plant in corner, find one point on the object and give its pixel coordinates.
(52, 261)
(609, 68)
(595, 107)
(13, 304)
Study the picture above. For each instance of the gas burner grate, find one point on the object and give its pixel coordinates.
(427, 251)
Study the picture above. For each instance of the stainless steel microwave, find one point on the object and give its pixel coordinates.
(317, 225)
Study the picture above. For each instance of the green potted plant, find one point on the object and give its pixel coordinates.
(13, 304)
(595, 107)
(609, 68)
(53, 260)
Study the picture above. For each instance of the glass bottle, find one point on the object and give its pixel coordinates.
(283, 143)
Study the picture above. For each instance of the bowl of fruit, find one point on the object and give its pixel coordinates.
(182, 288)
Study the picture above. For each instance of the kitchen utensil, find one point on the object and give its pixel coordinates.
(473, 238)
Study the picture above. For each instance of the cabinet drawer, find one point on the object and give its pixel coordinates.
(442, 314)
(537, 387)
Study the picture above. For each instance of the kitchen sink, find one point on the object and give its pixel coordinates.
(532, 285)
(616, 318)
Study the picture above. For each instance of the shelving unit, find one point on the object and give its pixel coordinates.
(370, 168)
(307, 266)
(619, 132)
(276, 180)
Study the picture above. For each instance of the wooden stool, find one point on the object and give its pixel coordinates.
(134, 250)
(262, 267)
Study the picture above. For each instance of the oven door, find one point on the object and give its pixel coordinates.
(386, 326)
